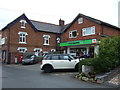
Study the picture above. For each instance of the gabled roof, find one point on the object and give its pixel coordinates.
(36, 25)
(46, 27)
(18, 19)
(91, 19)
(52, 28)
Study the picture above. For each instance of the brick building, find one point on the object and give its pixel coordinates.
(82, 34)
(24, 35)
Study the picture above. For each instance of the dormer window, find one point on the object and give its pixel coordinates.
(23, 22)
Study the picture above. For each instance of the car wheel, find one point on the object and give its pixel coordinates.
(48, 69)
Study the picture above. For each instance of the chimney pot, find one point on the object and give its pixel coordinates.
(61, 22)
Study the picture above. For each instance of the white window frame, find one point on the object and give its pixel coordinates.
(53, 50)
(37, 49)
(2, 41)
(23, 23)
(22, 49)
(88, 31)
(58, 39)
(23, 37)
(46, 37)
(70, 34)
(80, 20)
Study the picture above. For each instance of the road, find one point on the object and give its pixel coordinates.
(30, 76)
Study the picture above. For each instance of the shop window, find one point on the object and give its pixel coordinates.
(88, 31)
(22, 37)
(23, 23)
(73, 34)
(80, 20)
(46, 39)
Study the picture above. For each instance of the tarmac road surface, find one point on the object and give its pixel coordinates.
(30, 76)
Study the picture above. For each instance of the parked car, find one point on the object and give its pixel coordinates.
(30, 59)
(58, 61)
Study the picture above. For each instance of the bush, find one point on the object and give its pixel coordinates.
(108, 58)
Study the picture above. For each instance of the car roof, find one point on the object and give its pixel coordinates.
(56, 54)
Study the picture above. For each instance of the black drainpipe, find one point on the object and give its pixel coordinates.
(8, 46)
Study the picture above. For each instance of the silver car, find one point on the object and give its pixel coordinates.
(30, 59)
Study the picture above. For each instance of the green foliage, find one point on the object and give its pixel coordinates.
(89, 62)
(109, 55)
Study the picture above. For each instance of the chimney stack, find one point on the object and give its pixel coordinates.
(61, 22)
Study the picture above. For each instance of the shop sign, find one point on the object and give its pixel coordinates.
(79, 42)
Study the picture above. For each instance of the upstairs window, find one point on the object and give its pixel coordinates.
(80, 20)
(23, 23)
(46, 39)
(73, 34)
(22, 37)
(88, 31)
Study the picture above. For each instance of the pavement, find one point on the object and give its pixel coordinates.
(114, 81)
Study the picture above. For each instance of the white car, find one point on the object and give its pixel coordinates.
(58, 61)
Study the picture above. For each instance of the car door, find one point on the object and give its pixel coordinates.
(55, 62)
(67, 62)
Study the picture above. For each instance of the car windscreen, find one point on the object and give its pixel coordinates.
(47, 57)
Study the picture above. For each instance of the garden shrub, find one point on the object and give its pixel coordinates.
(108, 57)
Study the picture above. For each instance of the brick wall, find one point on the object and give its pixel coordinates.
(87, 23)
(33, 39)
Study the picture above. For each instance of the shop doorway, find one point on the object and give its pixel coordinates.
(91, 51)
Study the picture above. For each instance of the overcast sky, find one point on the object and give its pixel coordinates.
(52, 10)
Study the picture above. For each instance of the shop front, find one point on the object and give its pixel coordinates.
(81, 47)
